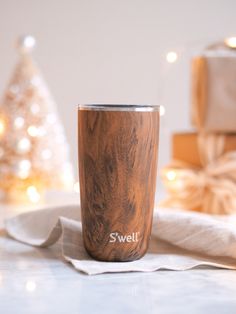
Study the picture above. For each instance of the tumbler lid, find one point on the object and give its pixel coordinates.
(119, 107)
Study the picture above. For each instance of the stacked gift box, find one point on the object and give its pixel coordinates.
(202, 173)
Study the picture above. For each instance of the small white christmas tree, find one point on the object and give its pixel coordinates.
(34, 154)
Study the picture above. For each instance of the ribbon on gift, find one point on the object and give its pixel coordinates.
(210, 188)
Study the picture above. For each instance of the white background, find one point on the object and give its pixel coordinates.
(113, 51)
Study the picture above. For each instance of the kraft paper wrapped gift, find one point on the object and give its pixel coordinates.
(214, 91)
(202, 174)
(185, 146)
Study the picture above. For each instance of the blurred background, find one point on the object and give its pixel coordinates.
(111, 51)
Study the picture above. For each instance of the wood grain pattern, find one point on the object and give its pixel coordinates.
(117, 169)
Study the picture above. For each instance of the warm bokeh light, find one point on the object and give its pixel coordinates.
(23, 146)
(231, 42)
(76, 187)
(162, 110)
(30, 286)
(29, 41)
(32, 130)
(23, 168)
(19, 122)
(26, 43)
(35, 108)
(2, 126)
(33, 194)
(171, 57)
(67, 176)
(171, 175)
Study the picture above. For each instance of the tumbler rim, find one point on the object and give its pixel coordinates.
(119, 107)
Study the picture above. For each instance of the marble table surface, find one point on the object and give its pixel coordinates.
(39, 281)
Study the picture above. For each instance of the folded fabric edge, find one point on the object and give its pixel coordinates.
(14, 226)
(88, 270)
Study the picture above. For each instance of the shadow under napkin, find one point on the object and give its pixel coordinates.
(44, 227)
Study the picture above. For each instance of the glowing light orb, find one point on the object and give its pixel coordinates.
(23, 146)
(35, 108)
(171, 175)
(171, 57)
(30, 286)
(33, 194)
(23, 168)
(2, 126)
(162, 110)
(32, 131)
(76, 187)
(19, 122)
(231, 42)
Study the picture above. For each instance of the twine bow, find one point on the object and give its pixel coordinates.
(211, 188)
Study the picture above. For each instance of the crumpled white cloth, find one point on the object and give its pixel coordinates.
(180, 240)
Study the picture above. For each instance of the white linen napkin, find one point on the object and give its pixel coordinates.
(180, 240)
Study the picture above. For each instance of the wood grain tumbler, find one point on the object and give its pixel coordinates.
(118, 147)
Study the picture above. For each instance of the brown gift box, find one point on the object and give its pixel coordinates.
(185, 147)
(214, 91)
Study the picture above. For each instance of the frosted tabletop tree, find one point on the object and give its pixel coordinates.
(34, 153)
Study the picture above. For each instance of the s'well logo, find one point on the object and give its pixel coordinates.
(118, 237)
